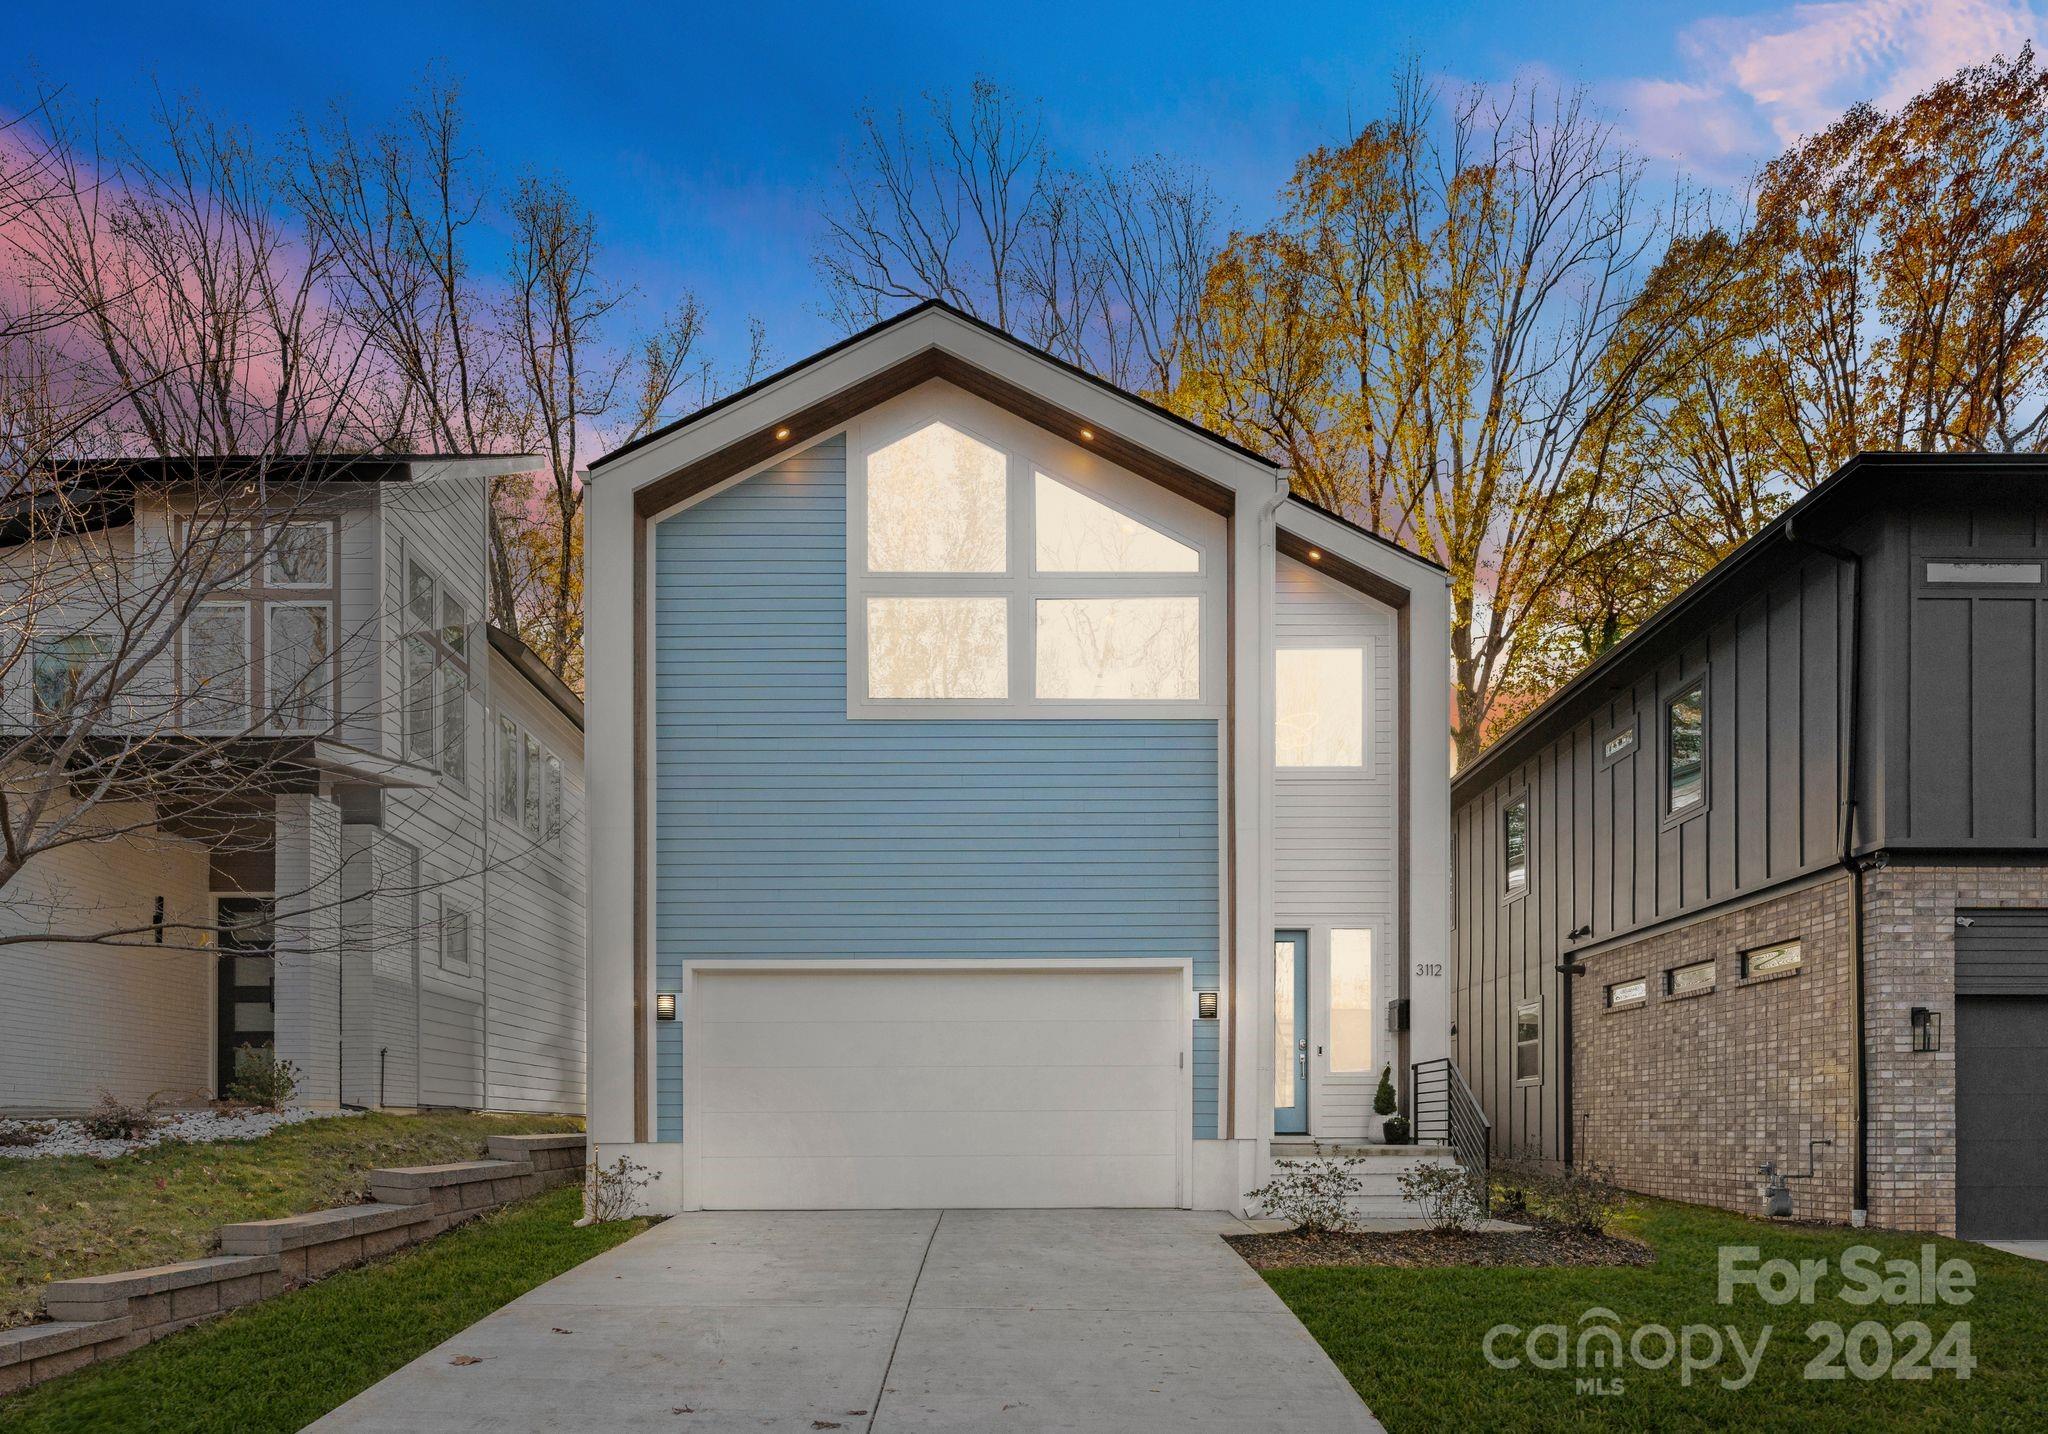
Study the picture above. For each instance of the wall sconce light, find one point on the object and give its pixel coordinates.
(1926, 1029)
(665, 1006)
(1205, 1005)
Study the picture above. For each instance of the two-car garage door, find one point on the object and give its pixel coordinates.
(810, 1086)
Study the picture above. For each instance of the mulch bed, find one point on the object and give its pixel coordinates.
(1536, 1246)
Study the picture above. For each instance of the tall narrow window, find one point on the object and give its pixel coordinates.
(216, 681)
(552, 813)
(419, 700)
(1319, 707)
(1350, 1000)
(508, 769)
(454, 725)
(530, 781)
(1514, 841)
(297, 665)
(1284, 1034)
(1529, 1041)
(1685, 750)
(454, 937)
(62, 664)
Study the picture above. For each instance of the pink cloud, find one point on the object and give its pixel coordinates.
(1753, 84)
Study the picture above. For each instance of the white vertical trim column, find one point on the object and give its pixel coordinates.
(1428, 898)
(1255, 575)
(609, 568)
(308, 935)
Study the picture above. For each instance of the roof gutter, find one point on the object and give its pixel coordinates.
(1848, 775)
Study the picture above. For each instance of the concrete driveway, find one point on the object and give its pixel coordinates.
(1112, 1320)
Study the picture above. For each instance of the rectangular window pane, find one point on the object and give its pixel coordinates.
(1350, 1000)
(1319, 696)
(455, 624)
(254, 1018)
(1785, 956)
(454, 724)
(1120, 649)
(1685, 980)
(455, 939)
(296, 665)
(299, 556)
(419, 700)
(508, 770)
(932, 647)
(1515, 841)
(938, 503)
(1623, 993)
(1685, 749)
(419, 597)
(553, 813)
(530, 782)
(1984, 572)
(61, 664)
(217, 667)
(1283, 1025)
(1074, 533)
(253, 970)
(1529, 1041)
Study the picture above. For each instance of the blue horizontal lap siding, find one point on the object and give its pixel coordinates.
(785, 830)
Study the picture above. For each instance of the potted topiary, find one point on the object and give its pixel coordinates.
(1395, 1131)
(1383, 1106)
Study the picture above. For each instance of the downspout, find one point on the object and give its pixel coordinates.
(1853, 561)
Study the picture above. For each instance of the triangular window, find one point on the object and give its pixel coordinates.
(1080, 534)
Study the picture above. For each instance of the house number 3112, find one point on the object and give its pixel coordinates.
(1429, 968)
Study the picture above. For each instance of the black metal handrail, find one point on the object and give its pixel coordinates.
(1444, 1111)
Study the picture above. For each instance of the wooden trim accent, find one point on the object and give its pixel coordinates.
(1350, 574)
(822, 417)
(642, 848)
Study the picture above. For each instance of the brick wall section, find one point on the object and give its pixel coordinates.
(1686, 1096)
(1910, 960)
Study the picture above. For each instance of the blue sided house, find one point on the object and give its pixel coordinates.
(1002, 793)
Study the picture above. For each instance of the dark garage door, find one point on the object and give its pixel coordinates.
(2002, 1075)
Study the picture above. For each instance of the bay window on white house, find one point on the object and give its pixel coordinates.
(996, 571)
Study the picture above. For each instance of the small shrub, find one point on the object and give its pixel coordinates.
(261, 1079)
(18, 1134)
(1396, 1130)
(612, 1192)
(1315, 1194)
(1584, 1197)
(115, 1120)
(1445, 1194)
(1383, 1099)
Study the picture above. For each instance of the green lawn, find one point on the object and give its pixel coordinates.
(282, 1364)
(1410, 1340)
(83, 1216)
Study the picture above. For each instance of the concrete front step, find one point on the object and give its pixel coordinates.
(1295, 1148)
(272, 1237)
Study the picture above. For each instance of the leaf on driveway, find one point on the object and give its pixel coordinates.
(467, 1359)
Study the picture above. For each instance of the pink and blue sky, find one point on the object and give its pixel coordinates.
(705, 136)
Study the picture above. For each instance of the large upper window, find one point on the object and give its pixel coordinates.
(1319, 696)
(435, 674)
(986, 575)
(1685, 750)
(259, 650)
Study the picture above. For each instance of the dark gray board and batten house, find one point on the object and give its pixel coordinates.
(1631, 857)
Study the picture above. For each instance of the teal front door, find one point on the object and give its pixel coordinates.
(1290, 1033)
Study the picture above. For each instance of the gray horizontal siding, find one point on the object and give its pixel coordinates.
(785, 830)
(2002, 953)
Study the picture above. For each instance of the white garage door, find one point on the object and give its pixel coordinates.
(808, 1088)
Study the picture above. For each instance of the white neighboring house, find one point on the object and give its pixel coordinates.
(1004, 794)
(422, 845)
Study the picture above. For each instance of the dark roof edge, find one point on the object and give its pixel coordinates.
(537, 673)
(894, 319)
(1504, 750)
(1364, 532)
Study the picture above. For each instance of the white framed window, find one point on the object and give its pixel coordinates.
(454, 937)
(1350, 1000)
(551, 805)
(60, 665)
(419, 700)
(301, 555)
(997, 570)
(530, 785)
(508, 769)
(298, 664)
(216, 685)
(1685, 750)
(1529, 1043)
(455, 724)
(1319, 707)
(435, 675)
